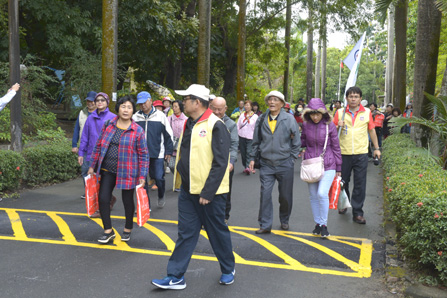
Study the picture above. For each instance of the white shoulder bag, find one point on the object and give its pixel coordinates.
(312, 169)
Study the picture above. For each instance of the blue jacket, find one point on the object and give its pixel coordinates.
(158, 132)
(92, 130)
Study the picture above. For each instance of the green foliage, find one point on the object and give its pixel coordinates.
(50, 163)
(416, 188)
(11, 169)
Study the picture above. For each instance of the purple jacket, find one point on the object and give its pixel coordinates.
(313, 136)
(92, 129)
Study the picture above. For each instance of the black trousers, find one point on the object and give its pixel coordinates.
(107, 184)
(228, 200)
(357, 164)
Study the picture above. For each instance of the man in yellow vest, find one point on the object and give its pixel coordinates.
(354, 142)
(202, 173)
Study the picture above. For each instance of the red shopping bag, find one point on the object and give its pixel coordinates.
(143, 211)
(91, 194)
(334, 193)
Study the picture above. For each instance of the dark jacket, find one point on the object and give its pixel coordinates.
(313, 136)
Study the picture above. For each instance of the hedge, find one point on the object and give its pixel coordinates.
(416, 189)
(37, 165)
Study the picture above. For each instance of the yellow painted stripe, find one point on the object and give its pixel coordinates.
(16, 224)
(272, 248)
(356, 245)
(237, 258)
(121, 245)
(170, 245)
(351, 264)
(366, 257)
(67, 235)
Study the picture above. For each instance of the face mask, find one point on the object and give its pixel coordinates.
(300, 109)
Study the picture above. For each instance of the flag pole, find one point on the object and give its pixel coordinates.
(339, 80)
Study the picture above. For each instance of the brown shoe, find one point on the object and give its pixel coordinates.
(262, 231)
(96, 215)
(285, 226)
(359, 219)
(342, 211)
(112, 202)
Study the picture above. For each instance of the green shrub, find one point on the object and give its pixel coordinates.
(50, 163)
(11, 169)
(416, 188)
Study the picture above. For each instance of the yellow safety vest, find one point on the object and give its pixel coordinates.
(201, 156)
(354, 140)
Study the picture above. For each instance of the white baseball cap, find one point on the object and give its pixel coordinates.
(196, 90)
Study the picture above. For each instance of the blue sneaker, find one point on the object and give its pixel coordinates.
(227, 279)
(170, 283)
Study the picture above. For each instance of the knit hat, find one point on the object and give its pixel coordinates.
(103, 95)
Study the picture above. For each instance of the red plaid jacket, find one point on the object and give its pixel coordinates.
(133, 156)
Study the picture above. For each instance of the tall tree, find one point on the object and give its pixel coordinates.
(109, 45)
(400, 67)
(14, 74)
(241, 51)
(425, 64)
(390, 58)
(324, 49)
(310, 41)
(287, 44)
(203, 66)
(318, 70)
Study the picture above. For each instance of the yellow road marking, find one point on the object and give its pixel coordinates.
(361, 269)
(16, 224)
(67, 235)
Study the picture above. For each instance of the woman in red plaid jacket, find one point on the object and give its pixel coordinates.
(121, 158)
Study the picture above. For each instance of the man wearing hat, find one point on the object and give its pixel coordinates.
(159, 141)
(202, 171)
(277, 137)
(90, 133)
(79, 127)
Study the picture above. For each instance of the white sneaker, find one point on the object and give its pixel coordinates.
(168, 170)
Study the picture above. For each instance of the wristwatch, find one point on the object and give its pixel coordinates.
(376, 149)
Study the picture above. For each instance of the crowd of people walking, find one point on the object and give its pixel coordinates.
(198, 142)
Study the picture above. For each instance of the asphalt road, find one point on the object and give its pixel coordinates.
(44, 262)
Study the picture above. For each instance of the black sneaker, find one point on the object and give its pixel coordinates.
(126, 236)
(105, 238)
(317, 230)
(324, 232)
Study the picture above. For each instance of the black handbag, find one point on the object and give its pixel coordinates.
(257, 159)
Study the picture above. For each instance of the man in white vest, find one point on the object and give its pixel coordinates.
(202, 171)
(79, 127)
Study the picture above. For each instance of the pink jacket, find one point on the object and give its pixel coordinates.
(177, 124)
(246, 127)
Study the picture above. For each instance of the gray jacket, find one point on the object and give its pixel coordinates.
(232, 128)
(284, 143)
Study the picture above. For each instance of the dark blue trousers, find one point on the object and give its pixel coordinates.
(157, 172)
(191, 217)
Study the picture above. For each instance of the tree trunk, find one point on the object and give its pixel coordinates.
(390, 58)
(242, 34)
(400, 74)
(230, 76)
(323, 64)
(425, 64)
(310, 41)
(203, 65)
(14, 74)
(444, 82)
(317, 70)
(269, 78)
(287, 44)
(109, 46)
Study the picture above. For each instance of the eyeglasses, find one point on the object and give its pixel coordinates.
(274, 99)
(100, 100)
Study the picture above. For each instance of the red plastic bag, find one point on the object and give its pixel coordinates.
(91, 194)
(334, 192)
(143, 211)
